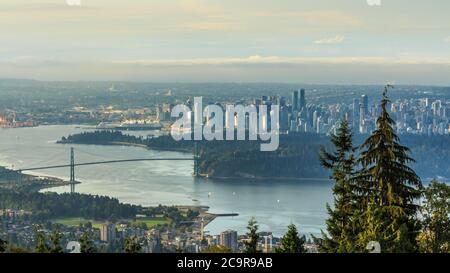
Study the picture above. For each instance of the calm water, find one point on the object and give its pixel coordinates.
(275, 204)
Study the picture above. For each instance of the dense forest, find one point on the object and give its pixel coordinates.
(296, 157)
(52, 205)
(101, 137)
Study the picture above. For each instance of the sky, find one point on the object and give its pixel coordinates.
(303, 41)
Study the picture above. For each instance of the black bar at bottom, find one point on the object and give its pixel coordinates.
(226, 262)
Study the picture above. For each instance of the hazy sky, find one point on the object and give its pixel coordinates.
(310, 41)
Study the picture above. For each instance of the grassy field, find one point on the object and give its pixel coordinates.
(151, 222)
(76, 222)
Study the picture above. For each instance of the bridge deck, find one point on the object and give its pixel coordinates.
(105, 162)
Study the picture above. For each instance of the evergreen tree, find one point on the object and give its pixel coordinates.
(291, 242)
(3, 245)
(371, 226)
(341, 162)
(55, 239)
(375, 229)
(251, 245)
(132, 245)
(42, 246)
(86, 244)
(392, 186)
(435, 235)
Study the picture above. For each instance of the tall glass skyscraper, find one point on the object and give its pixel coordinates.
(365, 104)
(295, 101)
(302, 99)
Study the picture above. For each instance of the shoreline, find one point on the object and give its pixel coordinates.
(271, 178)
(205, 176)
(234, 175)
(114, 143)
(37, 183)
(31, 182)
(204, 215)
(119, 143)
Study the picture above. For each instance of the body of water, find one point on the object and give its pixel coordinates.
(274, 203)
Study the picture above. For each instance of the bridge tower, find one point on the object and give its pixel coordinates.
(196, 160)
(19, 177)
(72, 171)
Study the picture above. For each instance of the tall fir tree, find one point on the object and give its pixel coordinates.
(86, 243)
(292, 242)
(374, 228)
(341, 163)
(392, 186)
(251, 245)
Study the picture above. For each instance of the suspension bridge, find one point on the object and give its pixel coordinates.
(72, 164)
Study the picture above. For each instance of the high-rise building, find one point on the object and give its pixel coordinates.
(315, 117)
(284, 118)
(362, 119)
(436, 107)
(282, 101)
(107, 232)
(319, 125)
(295, 100)
(302, 103)
(355, 114)
(228, 239)
(365, 104)
(293, 125)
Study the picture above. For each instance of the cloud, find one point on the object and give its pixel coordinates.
(447, 40)
(258, 59)
(330, 41)
(249, 60)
